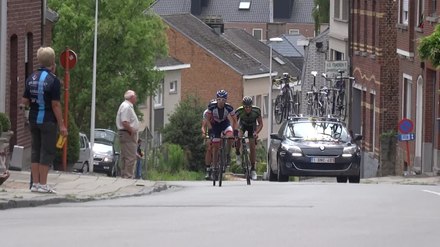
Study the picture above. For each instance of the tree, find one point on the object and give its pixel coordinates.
(129, 43)
(321, 13)
(184, 129)
(429, 47)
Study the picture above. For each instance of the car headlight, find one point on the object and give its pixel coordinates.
(293, 150)
(349, 151)
(108, 159)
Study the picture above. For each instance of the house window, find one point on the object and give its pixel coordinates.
(257, 33)
(173, 87)
(337, 9)
(244, 5)
(338, 55)
(420, 10)
(407, 91)
(433, 7)
(265, 105)
(158, 98)
(293, 31)
(340, 10)
(404, 14)
(258, 101)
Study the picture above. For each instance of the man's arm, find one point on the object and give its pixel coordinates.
(260, 125)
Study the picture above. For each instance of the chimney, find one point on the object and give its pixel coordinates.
(196, 7)
(282, 9)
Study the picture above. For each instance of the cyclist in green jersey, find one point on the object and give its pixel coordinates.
(250, 121)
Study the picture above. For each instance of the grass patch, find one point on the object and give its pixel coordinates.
(181, 175)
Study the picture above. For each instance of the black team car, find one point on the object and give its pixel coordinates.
(313, 146)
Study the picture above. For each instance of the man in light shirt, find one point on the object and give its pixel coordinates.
(128, 126)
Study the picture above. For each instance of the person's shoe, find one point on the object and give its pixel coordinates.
(208, 174)
(35, 187)
(253, 174)
(46, 189)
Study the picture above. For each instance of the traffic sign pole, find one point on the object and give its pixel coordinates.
(68, 61)
(66, 104)
(406, 126)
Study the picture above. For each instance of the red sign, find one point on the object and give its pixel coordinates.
(406, 126)
(71, 57)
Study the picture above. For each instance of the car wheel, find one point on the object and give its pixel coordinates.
(281, 177)
(354, 179)
(341, 179)
(85, 168)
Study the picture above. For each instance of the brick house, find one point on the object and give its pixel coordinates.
(24, 30)
(219, 63)
(418, 86)
(375, 66)
(261, 18)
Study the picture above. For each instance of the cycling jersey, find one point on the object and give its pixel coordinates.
(248, 119)
(220, 114)
(41, 88)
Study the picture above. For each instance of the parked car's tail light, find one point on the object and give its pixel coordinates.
(293, 150)
(349, 151)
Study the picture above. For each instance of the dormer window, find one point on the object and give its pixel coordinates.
(244, 5)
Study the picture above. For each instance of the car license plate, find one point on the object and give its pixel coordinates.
(323, 160)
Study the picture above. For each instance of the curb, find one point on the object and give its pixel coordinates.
(54, 199)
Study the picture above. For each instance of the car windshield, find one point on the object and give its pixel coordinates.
(317, 131)
(101, 148)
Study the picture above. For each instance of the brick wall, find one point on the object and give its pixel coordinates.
(207, 74)
(24, 17)
(375, 67)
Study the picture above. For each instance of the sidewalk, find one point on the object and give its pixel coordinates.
(71, 187)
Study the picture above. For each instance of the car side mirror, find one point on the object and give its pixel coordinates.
(276, 136)
(357, 137)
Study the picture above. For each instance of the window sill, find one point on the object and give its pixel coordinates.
(418, 29)
(402, 27)
(340, 20)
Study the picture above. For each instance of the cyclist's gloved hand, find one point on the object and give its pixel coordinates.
(255, 135)
(210, 133)
(235, 133)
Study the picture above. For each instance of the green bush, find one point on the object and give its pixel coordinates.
(5, 123)
(184, 129)
(170, 158)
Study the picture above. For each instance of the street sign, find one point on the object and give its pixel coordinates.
(406, 137)
(406, 126)
(332, 67)
(71, 57)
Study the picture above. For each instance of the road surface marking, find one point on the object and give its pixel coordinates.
(432, 192)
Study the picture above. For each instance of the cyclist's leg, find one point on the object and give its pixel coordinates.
(208, 157)
(228, 132)
(215, 144)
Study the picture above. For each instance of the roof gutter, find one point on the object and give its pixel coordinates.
(249, 77)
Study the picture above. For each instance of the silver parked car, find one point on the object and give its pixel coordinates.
(82, 165)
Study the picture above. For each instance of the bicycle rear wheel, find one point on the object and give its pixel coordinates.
(278, 110)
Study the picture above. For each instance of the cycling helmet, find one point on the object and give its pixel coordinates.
(222, 94)
(247, 101)
(212, 100)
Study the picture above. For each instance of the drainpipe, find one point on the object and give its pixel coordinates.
(3, 35)
(434, 123)
(43, 21)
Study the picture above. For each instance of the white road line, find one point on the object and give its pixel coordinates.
(432, 192)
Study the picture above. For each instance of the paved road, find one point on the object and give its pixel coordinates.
(264, 214)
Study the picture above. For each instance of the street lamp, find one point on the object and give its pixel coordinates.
(269, 113)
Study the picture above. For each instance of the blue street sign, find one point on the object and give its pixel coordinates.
(406, 137)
